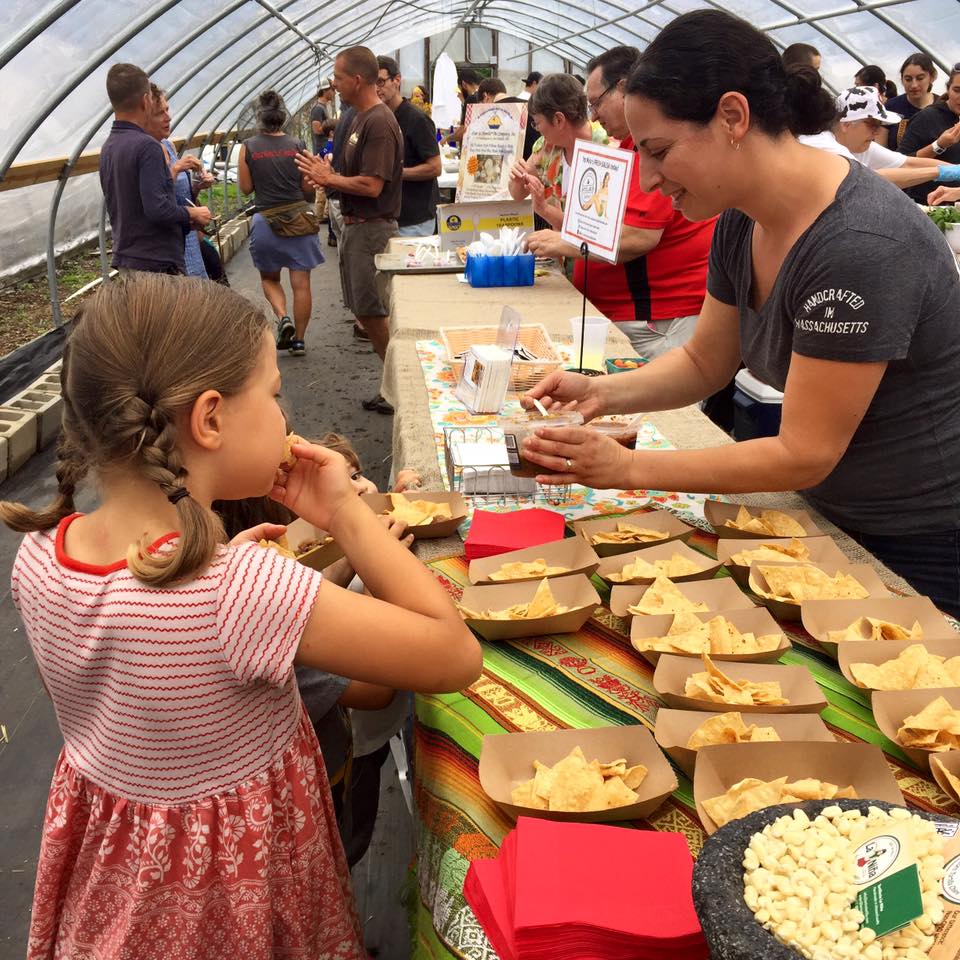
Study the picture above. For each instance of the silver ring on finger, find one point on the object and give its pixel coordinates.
(569, 464)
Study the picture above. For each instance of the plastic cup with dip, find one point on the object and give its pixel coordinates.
(517, 428)
(594, 341)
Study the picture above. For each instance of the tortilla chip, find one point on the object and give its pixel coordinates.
(869, 628)
(689, 634)
(750, 795)
(629, 533)
(525, 796)
(417, 513)
(716, 686)
(952, 779)
(664, 596)
(798, 582)
(936, 728)
(794, 551)
(280, 545)
(769, 523)
(617, 794)
(913, 669)
(542, 605)
(677, 566)
(525, 570)
(729, 728)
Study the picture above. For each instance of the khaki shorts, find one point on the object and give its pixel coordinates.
(363, 294)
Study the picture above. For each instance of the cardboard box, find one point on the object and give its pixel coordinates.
(719, 594)
(892, 707)
(660, 551)
(506, 761)
(717, 513)
(320, 557)
(796, 684)
(822, 551)
(784, 610)
(571, 553)
(675, 727)
(576, 592)
(880, 651)
(859, 765)
(950, 760)
(756, 620)
(380, 503)
(462, 223)
(821, 616)
(675, 529)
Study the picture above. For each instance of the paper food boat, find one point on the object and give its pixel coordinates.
(892, 707)
(796, 685)
(822, 551)
(674, 528)
(756, 620)
(719, 594)
(858, 765)
(380, 503)
(786, 610)
(320, 557)
(575, 592)
(718, 513)
(506, 761)
(675, 727)
(821, 616)
(951, 761)
(571, 552)
(662, 551)
(880, 651)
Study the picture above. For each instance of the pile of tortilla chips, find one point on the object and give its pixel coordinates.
(715, 685)
(793, 552)
(280, 545)
(799, 582)
(914, 669)
(689, 634)
(867, 628)
(572, 784)
(729, 728)
(542, 605)
(416, 513)
(750, 795)
(628, 533)
(770, 523)
(664, 596)
(520, 570)
(677, 566)
(935, 728)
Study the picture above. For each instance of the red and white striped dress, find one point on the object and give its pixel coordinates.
(189, 816)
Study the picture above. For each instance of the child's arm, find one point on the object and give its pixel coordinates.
(408, 635)
(366, 696)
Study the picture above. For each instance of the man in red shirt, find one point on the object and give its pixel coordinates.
(655, 290)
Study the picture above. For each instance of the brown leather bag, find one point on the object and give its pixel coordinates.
(295, 219)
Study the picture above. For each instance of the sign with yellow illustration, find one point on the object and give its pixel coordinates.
(492, 143)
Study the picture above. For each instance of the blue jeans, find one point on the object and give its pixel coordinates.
(929, 562)
(426, 229)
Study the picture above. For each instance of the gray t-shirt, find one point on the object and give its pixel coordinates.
(871, 280)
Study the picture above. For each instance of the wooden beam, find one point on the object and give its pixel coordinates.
(47, 171)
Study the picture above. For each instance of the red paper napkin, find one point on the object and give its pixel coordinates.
(483, 890)
(494, 533)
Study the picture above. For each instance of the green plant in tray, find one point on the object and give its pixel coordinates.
(943, 216)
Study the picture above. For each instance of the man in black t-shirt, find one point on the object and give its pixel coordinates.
(421, 155)
(319, 116)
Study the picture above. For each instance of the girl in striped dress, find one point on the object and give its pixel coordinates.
(189, 815)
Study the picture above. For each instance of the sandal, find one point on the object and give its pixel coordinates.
(285, 333)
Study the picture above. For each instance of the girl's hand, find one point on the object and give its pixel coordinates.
(397, 529)
(317, 485)
(563, 389)
(943, 195)
(579, 455)
(406, 480)
(262, 531)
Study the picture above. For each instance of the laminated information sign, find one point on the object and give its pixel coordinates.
(597, 191)
(492, 143)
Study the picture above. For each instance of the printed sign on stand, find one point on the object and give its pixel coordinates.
(597, 191)
(492, 143)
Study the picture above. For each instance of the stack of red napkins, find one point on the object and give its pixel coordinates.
(494, 533)
(581, 891)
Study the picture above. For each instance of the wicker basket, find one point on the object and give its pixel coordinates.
(524, 374)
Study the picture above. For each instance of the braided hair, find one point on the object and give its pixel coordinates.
(139, 354)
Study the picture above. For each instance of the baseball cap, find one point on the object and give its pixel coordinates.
(534, 76)
(863, 103)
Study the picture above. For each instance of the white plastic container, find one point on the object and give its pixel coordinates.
(756, 408)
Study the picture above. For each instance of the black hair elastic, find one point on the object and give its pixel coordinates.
(178, 495)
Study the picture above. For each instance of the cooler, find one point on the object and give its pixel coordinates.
(756, 408)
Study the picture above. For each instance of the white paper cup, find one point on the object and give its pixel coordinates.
(594, 341)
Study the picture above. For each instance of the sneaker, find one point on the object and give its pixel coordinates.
(297, 348)
(377, 403)
(359, 333)
(331, 241)
(285, 333)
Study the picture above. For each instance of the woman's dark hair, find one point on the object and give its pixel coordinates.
(560, 93)
(871, 76)
(702, 55)
(890, 90)
(799, 55)
(924, 62)
(271, 113)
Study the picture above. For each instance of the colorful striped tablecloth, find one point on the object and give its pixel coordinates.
(589, 679)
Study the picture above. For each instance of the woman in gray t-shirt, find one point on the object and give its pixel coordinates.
(800, 287)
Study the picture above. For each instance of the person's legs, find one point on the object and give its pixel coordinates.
(302, 301)
(274, 292)
(378, 330)
(426, 229)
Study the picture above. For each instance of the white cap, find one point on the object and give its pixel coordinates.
(863, 103)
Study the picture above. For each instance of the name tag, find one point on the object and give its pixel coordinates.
(354, 137)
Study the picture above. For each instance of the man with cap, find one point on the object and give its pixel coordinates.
(860, 115)
(530, 83)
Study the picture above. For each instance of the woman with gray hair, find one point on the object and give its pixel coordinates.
(558, 108)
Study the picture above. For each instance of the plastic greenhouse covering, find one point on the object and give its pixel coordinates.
(214, 56)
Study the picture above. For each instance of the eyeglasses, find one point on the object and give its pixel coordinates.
(594, 104)
(382, 80)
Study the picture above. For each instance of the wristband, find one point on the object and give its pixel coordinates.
(937, 149)
(949, 173)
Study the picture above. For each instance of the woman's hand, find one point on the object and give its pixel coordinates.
(535, 189)
(262, 531)
(950, 137)
(943, 195)
(561, 388)
(406, 480)
(547, 243)
(316, 486)
(519, 170)
(579, 455)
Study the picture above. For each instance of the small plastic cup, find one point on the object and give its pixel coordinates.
(618, 427)
(517, 428)
(594, 341)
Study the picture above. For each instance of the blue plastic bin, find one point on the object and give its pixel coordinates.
(515, 271)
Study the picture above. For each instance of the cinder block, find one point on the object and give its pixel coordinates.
(49, 382)
(20, 429)
(55, 367)
(47, 406)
